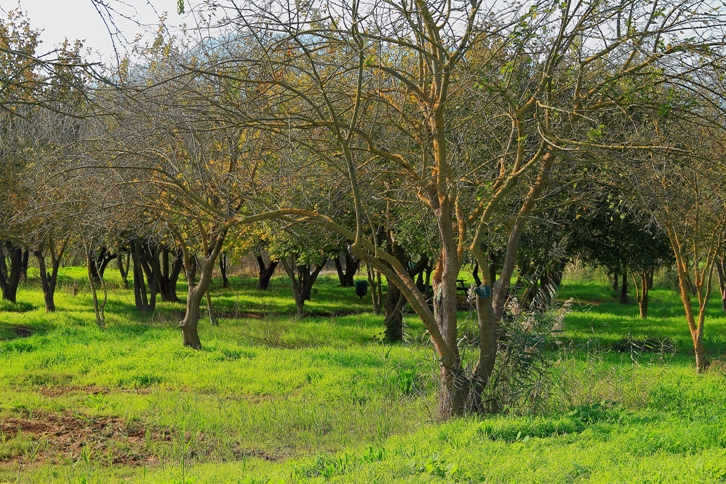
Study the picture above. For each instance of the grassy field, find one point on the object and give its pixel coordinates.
(272, 398)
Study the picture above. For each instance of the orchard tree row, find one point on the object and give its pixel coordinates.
(418, 137)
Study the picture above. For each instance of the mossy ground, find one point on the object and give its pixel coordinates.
(274, 398)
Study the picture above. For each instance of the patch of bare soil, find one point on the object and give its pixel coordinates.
(57, 391)
(66, 437)
(62, 438)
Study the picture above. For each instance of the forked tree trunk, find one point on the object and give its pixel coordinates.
(99, 262)
(302, 278)
(10, 276)
(297, 296)
(150, 253)
(49, 280)
(641, 292)
(266, 272)
(308, 275)
(123, 260)
(695, 324)
(170, 274)
(197, 289)
(346, 274)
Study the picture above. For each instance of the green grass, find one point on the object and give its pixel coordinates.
(274, 398)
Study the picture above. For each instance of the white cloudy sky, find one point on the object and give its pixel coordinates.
(78, 19)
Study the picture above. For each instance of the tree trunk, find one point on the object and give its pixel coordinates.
(190, 322)
(49, 280)
(140, 297)
(616, 278)
(685, 290)
(346, 275)
(266, 272)
(374, 281)
(223, 269)
(99, 307)
(99, 262)
(721, 270)
(702, 362)
(454, 387)
(24, 265)
(308, 276)
(641, 292)
(475, 274)
(488, 344)
(123, 260)
(393, 307)
(624, 288)
(10, 276)
(289, 266)
(196, 291)
(170, 274)
(340, 271)
(152, 270)
(210, 310)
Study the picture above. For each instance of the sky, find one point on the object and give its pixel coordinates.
(78, 19)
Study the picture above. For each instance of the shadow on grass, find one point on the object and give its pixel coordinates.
(10, 331)
(600, 320)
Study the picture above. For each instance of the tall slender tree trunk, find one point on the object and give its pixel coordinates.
(99, 306)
